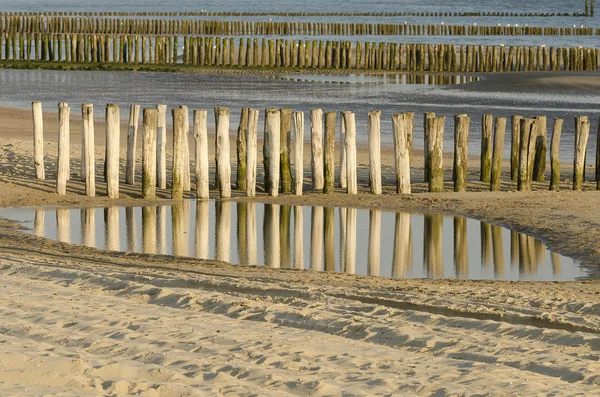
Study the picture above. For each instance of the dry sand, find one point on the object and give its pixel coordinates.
(80, 321)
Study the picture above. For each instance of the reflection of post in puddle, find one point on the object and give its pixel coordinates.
(532, 253)
(329, 239)
(177, 229)
(343, 238)
(486, 246)
(63, 224)
(498, 252)
(131, 229)
(402, 246)
(161, 226)
(514, 248)
(373, 261)
(186, 226)
(39, 222)
(556, 265)
(527, 260)
(223, 232)
(242, 220)
(111, 220)
(316, 238)
(540, 253)
(433, 245)
(202, 230)
(284, 235)
(251, 235)
(350, 241)
(271, 235)
(298, 238)
(461, 252)
(149, 229)
(88, 227)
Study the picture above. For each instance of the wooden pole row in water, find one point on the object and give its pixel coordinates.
(280, 53)
(527, 162)
(138, 26)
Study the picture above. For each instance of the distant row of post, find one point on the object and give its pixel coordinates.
(283, 129)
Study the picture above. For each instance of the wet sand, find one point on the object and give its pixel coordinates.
(81, 321)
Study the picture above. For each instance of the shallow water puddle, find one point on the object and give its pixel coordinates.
(355, 241)
(366, 78)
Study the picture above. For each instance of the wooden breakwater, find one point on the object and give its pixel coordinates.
(281, 53)
(144, 26)
(283, 139)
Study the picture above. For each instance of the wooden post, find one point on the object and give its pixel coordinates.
(161, 147)
(316, 134)
(187, 178)
(486, 147)
(201, 140)
(500, 130)
(178, 157)
(555, 155)
(582, 132)
(526, 154)
(241, 150)
(343, 172)
(349, 121)
(401, 154)
(329, 169)
(427, 125)
(134, 114)
(113, 136)
(298, 152)
(285, 166)
(64, 114)
(251, 158)
(38, 140)
(89, 171)
(374, 128)
(515, 140)
(539, 165)
(272, 150)
(597, 154)
(223, 151)
(436, 143)
(149, 154)
(462, 124)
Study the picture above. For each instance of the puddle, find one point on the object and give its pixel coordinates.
(355, 241)
(366, 78)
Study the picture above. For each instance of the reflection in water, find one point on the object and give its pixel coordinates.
(366, 242)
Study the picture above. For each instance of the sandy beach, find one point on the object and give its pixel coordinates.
(82, 321)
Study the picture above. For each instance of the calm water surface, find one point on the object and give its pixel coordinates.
(355, 241)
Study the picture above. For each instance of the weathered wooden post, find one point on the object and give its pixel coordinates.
(113, 136)
(38, 140)
(241, 150)
(251, 158)
(427, 125)
(149, 153)
(134, 114)
(462, 125)
(436, 143)
(539, 165)
(374, 128)
(401, 154)
(64, 114)
(178, 157)
(486, 147)
(582, 132)
(298, 152)
(555, 155)
(526, 154)
(343, 173)
(350, 122)
(201, 140)
(187, 178)
(285, 166)
(272, 150)
(515, 140)
(223, 151)
(329, 171)
(161, 147)
(89, 165)
(597, 153)
(316, 134)
(500, 130)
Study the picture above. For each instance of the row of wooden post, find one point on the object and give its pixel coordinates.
(138, 26)
(528, 151)
(191, 234)
(309, 54)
